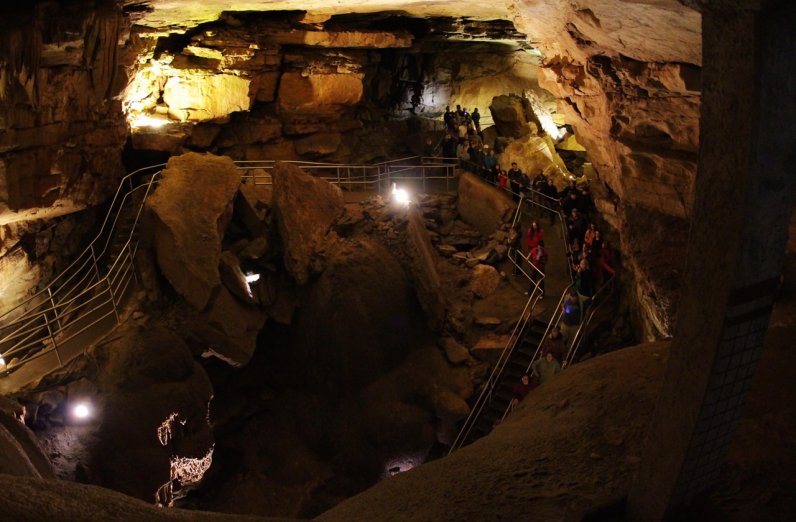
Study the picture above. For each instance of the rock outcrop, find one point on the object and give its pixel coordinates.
(348, 338)
(20, 453)
(229, 328)
(148, 402)
(61, 135)
(481, 206)
(485, 280)
(191, 209)
(305, 208)
(512, 115)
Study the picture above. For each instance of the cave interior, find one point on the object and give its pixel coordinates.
(301, 349)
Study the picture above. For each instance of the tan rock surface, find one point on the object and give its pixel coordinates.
(481, 206)
(191, 206)
(485, 280)
(193, 97)
(299, 93)
(553, 432)
(229, 328)
(305, 208)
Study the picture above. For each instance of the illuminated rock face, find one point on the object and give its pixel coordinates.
(626, 75)
(205, 97)
(192, 207)
(313, 93)
(61, 137)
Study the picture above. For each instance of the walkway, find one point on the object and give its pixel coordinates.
(85, 302)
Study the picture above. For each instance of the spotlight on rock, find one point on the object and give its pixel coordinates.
(251, 278)
(81, 411)
(400, 195)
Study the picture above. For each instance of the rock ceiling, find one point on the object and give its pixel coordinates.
(646, 30)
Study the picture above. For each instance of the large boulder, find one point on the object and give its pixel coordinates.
(511, 114)
(20, 452)
(229, 328)
(358, 319)
(192, 207)
(305, 207)
(537, 153)
(485, 280)
(482, 206)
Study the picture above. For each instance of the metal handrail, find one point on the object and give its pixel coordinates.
(597, 300)
(553, 321)
(486, 392)
(514, 339)
(79, 294)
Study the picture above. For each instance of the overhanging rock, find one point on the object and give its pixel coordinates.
(192, 207)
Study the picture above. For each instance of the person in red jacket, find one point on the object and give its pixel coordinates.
(533, 237)
(521, 389)
(538, 259)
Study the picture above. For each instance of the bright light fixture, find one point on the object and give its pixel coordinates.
(81, 411)
(400, 195)
(251, 278)
(2, 361)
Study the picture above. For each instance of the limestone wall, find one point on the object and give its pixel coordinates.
(481, 206)
(61, 135)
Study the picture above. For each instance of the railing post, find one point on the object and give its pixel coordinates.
(52, 339)
(423, 176)
(55, 308)
(94, 262)
(132, 260)
(113, 300)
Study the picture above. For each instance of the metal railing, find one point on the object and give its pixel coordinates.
(91, 289)
(596, 301)
(554, 319)
(543, 201)
(517, 334)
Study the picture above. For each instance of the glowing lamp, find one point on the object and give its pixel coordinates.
(400, 195)
(2, 361)
(81, 411)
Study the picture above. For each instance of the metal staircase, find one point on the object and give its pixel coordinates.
(516, 366)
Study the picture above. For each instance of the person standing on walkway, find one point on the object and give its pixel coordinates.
(521, 389)
(476, 117)
(515, 180)
(554, 343)
(571, 313)
(490, 164)
(533, 236)
(515, 248)
(538, 257)
(545, 367)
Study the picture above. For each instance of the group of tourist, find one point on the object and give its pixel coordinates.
(590, 259)
(464, 141)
